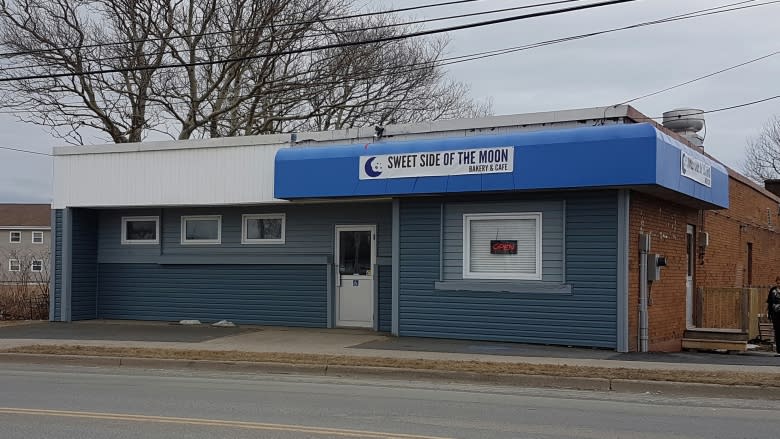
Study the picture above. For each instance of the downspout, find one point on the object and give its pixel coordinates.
(644, 248)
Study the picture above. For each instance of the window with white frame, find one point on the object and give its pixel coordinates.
(15, 237)
(14, 265)
(36, 266)
(202, 229)
(140, 230)
(263, 229)
(502, 246)
(37, 237)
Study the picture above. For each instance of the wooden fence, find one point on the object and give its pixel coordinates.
(729, 308)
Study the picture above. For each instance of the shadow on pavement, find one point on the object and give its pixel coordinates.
(120, 332)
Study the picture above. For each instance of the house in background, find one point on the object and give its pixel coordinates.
(25, 242)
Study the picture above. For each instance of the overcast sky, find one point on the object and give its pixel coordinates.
(597, 71)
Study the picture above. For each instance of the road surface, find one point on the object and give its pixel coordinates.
(111, 403)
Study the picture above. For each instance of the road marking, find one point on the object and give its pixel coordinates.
(215, 423)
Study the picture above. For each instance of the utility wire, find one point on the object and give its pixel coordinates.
(327, 19)
(709, 75)
(282, 40)
(25, 151)
(716, 110)
(409, 68)
(332, 46)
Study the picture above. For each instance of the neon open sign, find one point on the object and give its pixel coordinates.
(503, 247)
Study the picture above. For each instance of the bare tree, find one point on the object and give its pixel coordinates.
(238, 77)
(762, 155)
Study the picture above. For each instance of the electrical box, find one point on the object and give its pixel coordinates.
(703, 239)
(644, 242)
(654, 264)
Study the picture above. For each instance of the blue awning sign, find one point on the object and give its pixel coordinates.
(438, 163)
(624, 156)
(696, 167)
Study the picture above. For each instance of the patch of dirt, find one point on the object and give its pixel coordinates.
(482, 367)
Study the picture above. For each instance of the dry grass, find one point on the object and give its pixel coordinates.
(481, 367)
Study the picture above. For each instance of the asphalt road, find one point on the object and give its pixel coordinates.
(106, 403)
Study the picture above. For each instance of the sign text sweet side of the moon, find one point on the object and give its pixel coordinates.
(438, 163)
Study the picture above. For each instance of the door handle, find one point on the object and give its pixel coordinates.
(338, 276)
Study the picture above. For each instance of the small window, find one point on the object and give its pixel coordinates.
(37, 266)
(15, 237)
(205, 229)
(14, 265)
(140, 230)
(37, 237)
(263, 229)
(502, 246)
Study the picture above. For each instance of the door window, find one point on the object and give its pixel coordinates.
(354, 252)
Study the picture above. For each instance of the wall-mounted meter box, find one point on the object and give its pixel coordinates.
(654, 264)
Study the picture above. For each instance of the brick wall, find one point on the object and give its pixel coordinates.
(666, 223)
(751, 218)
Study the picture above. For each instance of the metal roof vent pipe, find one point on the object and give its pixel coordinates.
(686, 122)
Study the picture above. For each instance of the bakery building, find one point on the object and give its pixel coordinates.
(534, 228)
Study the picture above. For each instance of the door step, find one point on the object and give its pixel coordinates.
(714, 345)
(733, 335)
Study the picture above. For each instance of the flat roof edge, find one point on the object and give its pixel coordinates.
(465, 124)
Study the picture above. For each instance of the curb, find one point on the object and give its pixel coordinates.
(534, 381)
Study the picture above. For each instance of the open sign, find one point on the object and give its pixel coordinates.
(503, 247)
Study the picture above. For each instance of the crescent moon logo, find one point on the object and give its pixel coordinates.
(370, 169)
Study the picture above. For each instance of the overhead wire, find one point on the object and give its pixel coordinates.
(280, 42)
(331, 46)
(195, 34)
(486, 54)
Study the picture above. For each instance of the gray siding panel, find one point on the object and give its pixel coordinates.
(286, 295)
(587, 317)
(385, 298)
(84, 265)
(57, 274)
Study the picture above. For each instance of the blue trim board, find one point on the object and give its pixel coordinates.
(626, 155)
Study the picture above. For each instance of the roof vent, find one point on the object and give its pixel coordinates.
(687, 122)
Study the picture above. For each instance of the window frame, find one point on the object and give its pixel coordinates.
(185, 241)
(11, 236)
(126, 219)
(37, 233)
(18, 265)
(32, 266)
(244, 229)
(469, 217)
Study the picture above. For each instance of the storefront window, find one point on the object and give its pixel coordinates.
(140, 230)
(201, 229)
(502, 246)
(263, 229)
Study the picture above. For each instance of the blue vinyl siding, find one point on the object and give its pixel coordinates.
(586, 317)
(285, 295)
(57, 253)
(385, 297)
(84, 269)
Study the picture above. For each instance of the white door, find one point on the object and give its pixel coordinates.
(356, 258)
(691, 266)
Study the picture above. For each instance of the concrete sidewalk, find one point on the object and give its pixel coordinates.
(360, 343)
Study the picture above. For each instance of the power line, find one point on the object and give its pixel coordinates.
(487, 54)
(716, 110)
(709, 75)
(25, 151)
(332, 46)
(318, 35)
(322, 20)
